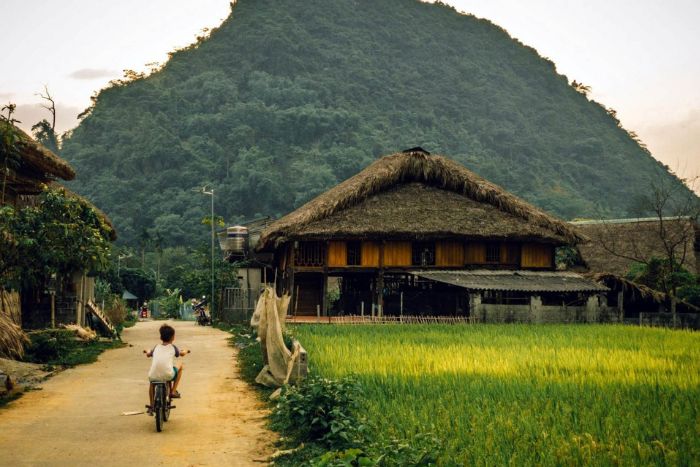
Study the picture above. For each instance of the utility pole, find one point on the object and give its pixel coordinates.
(213, 235)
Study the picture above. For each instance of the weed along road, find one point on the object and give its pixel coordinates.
(76, 419)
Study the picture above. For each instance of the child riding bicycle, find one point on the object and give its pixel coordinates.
(164, 366)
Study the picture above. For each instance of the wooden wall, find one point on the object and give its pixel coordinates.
(475, 253)
(449, 253)
(536, 255)
(370, 254)
(337, 254)
(397, 254)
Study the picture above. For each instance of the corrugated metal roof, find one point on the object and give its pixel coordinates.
(522, 281)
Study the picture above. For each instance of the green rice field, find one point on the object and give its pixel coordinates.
(523, 394)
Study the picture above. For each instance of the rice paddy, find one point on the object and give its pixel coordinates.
(510, 394)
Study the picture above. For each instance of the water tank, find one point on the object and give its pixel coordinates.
(236, 240)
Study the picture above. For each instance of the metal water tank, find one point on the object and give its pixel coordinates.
(237, 240)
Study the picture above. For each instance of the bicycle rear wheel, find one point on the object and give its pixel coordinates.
(158, 408)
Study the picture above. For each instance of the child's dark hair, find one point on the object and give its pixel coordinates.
(166, 333)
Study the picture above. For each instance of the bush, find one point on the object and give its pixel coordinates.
(49, 345)
(116, 311)
(320, 410)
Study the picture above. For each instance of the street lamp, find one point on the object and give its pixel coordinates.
(213, 237)
(119, 261)
(51, 288)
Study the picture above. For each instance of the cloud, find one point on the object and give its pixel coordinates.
(93, 73)
(676, 144)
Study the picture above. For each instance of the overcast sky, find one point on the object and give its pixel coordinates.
(641, 57)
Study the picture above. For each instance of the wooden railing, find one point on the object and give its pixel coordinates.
(95, 310)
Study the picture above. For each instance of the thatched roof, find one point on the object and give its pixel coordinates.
(416, 195)
(37, 164)
(639, 291)
(42, 160)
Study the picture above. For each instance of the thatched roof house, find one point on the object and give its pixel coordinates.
(399, 236)
(35, 167)
(416, 195)
(613, 245)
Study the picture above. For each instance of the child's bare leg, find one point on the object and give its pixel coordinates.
(177, 378)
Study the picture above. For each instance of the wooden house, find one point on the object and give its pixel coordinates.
(418, 234)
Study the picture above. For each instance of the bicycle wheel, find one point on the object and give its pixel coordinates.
(166, 406)
(158, 407)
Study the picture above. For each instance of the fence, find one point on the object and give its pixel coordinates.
(237, 304)
(680, 320)
(358, 319)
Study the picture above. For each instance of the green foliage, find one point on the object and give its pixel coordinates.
(690, 293)
(516, 394)
(61, 234)
(59, 347)
(170, 303)
(660, 274)
(50, 345)
(138, 282)
(283, 101)
(320, 410)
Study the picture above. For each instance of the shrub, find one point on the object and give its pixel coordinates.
(320, 410)
(49, 345)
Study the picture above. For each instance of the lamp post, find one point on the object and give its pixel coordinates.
(119, 261)
(213, 236)
(52, 291)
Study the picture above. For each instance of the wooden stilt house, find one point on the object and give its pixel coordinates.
(420, 234)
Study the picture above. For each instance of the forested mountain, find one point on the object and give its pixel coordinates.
(288, 97)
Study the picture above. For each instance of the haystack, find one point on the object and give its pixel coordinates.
(12, 338)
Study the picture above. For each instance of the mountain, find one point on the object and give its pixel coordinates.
(289, 97)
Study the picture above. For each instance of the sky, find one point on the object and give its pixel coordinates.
(641, 57)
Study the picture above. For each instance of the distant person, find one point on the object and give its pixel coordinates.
(164, 366)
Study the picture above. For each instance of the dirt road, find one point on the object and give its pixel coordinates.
(76, 418)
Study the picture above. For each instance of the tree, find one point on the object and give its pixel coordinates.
(60, 234)
(45, 131)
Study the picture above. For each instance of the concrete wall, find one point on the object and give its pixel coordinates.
(594, 311)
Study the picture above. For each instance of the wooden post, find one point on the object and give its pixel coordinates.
(324, 290)
(318, 313)
(621, 306)
(401, 304)
(53, 310)
(362, 308)
(380, 279)
(293, 290)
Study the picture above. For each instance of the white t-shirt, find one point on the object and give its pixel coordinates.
(163, 362)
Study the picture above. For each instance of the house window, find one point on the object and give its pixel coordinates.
(423, 254)
(493, 252)
(354, 253)
(311, 254)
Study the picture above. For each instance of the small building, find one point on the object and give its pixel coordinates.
(612, 245)
(417, 234)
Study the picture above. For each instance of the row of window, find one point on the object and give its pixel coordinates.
(314, 254)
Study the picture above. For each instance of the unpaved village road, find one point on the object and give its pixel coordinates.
(76, 418)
